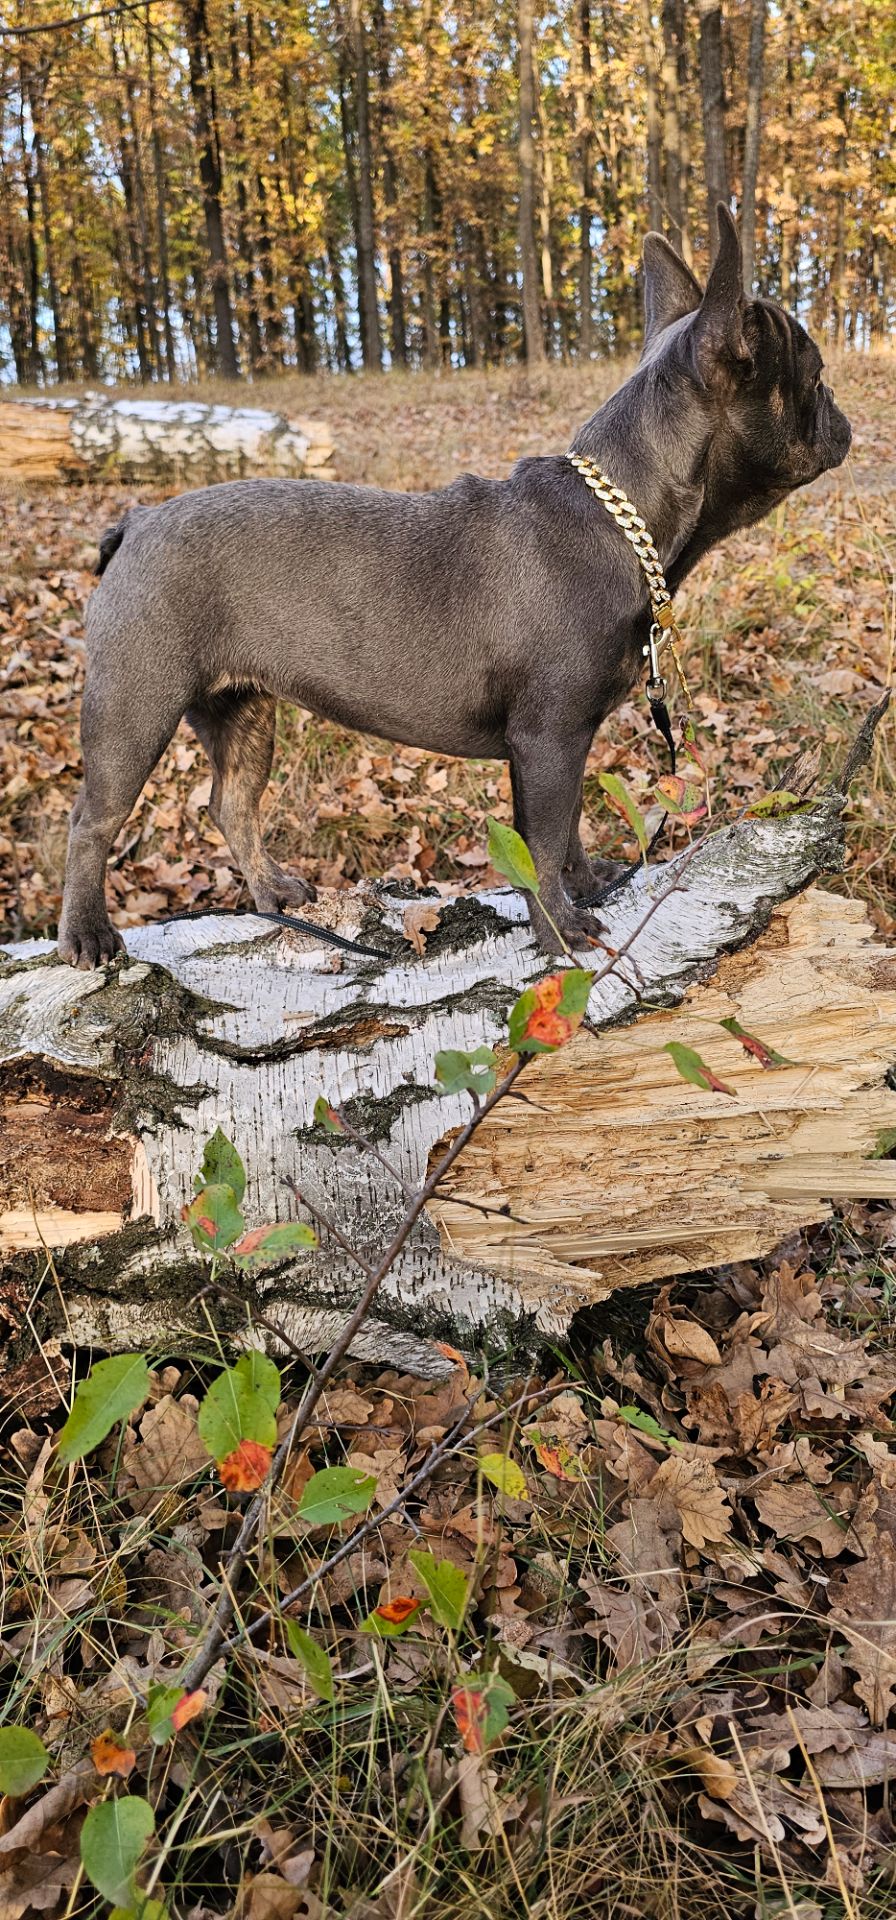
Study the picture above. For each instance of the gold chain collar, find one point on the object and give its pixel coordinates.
(664, 632)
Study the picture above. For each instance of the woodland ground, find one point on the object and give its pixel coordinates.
(689, 1585)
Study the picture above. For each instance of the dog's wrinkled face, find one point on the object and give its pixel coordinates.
(753, 371)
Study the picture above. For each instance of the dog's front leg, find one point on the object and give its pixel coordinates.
(546, 771)
(585, 880)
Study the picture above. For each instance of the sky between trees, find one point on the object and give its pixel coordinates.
(196, 186)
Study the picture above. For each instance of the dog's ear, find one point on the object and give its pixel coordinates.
(670, 290)
(718, 331)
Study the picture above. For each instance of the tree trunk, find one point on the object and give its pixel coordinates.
(63, 370)
(398, 344)
(612, 1172)
(755, 59)
(674, 125)
(212, 183)
(654, 134)
(712, 90)
(161, 200)
(157, 440)
(585, 117)
(368, 299)
(532, 334)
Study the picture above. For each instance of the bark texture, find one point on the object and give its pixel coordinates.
(613, 1172)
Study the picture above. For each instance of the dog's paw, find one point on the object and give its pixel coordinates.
(581, 929)
(88, 943)
(282, 892)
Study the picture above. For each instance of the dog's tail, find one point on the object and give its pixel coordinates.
(110, 543)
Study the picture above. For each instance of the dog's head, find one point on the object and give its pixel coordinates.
(773, 422)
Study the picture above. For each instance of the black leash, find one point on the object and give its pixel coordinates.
(281, 920)
(659, 714)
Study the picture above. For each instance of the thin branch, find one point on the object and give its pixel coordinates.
(207, 1653)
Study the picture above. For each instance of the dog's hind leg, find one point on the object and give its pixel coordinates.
(118, 760)
(236, 728)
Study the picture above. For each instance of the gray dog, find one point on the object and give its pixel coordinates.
(499, 618)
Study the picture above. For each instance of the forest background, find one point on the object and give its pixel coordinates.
(192, 187)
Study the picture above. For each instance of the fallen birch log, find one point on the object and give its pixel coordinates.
(613, 1171)
(162, 440)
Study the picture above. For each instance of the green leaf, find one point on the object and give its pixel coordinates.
(326, 1116)
(335, 1494)
(112, 1390)
(694, 1070)
(885, 1144)
(241, 1405)
(268, 1243)
(509, 854)
(459, 1072)
(221, 1167)
(23, 1760)
(314, 1660)
(214, 1219)
(114, 1838)
(503, 1474)
(645, 1423)
(447, 1588)
(517, 1021)
(577, 985)
(771, 806)
(618, 797)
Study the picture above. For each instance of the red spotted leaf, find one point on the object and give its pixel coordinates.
(694, 1070)
(187, 1708)
(766, 1056)
(246, 1467)
(469, 1714)
(399, 1610)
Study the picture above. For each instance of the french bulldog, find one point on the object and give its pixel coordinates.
(493, 618)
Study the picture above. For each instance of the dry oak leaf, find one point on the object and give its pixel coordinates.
(344, 1406)
(868, 1762)
(76, 1786)
(863, 1602)
(387, 1465)
(419, 919)
(800, 1512)
(168, 1453)
(627, 1622)
(38, 1884)
(686, 1340)
(689, 1490)
(267, 1896)
(778, 1802)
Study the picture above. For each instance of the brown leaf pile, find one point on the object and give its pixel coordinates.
(700, 1549)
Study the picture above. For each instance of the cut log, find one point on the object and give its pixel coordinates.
(156, 440)
(612, 1172)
